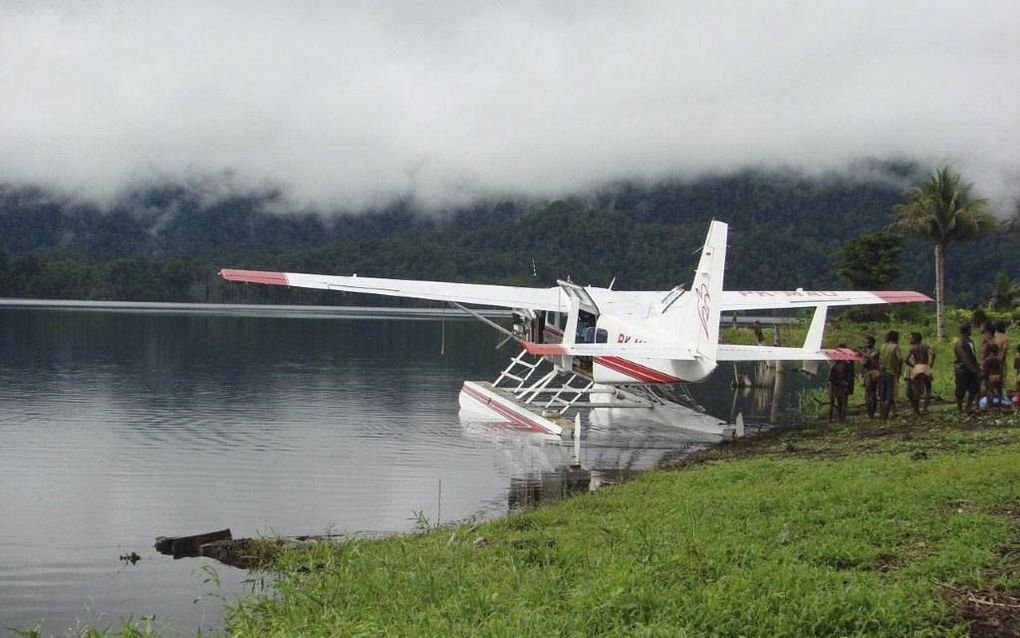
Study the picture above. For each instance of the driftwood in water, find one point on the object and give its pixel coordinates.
(243, 553)
(187, 546)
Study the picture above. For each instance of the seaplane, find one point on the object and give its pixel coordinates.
(586, 347)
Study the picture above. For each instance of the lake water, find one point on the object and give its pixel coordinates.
(117, 427)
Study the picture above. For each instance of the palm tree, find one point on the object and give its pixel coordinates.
(941, 211)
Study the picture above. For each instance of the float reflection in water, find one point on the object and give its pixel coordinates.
(546, 468)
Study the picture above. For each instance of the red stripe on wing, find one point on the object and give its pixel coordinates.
(841, 354)
(255, 276)
(900, 296)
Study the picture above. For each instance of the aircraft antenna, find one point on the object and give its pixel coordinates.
(611, 283)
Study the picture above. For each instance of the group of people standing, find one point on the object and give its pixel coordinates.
(979, 370)
(883, 366)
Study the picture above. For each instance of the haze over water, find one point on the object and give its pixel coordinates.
(116, 428)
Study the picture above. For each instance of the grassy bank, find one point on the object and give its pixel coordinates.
(868, 528)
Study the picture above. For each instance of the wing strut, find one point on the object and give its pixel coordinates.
(486, 320)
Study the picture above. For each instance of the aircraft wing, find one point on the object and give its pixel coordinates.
(630, 350)
(773, 353)
(780, 299)
(478, 294)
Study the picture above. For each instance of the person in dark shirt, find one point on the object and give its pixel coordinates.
(966, 371)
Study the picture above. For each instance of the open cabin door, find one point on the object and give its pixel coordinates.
(582, 319)
(582, 313)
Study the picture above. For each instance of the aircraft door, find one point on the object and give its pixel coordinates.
(582, 320)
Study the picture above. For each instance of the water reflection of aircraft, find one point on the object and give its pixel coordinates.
(605, 348)
(544, 468)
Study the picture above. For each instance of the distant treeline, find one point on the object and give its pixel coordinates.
(166, 244)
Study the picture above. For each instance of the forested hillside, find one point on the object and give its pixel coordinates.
(166, 244)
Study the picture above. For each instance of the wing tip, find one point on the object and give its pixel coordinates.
(841, 354)
(900, 296)
(255, 276)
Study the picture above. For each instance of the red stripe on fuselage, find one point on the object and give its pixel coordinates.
(636, 370)
(623, 366)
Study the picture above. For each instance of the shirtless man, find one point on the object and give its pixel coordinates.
(869, 368)
(920, 360)
(966, 369)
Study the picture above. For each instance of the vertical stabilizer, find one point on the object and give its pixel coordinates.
(813, 342)
(699, 325)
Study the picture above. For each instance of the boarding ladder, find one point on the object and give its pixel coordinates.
(561, 398)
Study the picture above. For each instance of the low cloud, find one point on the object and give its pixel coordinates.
(348, 105)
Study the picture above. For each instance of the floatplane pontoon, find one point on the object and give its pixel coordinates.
(610, 351)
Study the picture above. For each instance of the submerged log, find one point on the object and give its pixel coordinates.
(188, 546)
(243, 553)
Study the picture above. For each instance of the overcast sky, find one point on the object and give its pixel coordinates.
(346, 104)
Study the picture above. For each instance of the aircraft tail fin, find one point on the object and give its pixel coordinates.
(699, 323)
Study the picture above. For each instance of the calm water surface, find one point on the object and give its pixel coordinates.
(119, 427)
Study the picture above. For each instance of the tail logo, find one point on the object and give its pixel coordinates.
(704, 311)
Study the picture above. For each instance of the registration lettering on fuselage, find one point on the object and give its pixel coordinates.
(622, 338)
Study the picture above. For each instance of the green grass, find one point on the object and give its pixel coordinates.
(855, 530)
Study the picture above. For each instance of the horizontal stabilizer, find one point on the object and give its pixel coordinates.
(775, 353)
(780, 299)
(631, 350)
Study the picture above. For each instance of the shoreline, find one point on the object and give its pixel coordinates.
(820, 515)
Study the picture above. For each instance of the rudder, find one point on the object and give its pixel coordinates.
(704, 303)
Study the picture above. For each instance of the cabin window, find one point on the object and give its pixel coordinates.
(585, 327)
